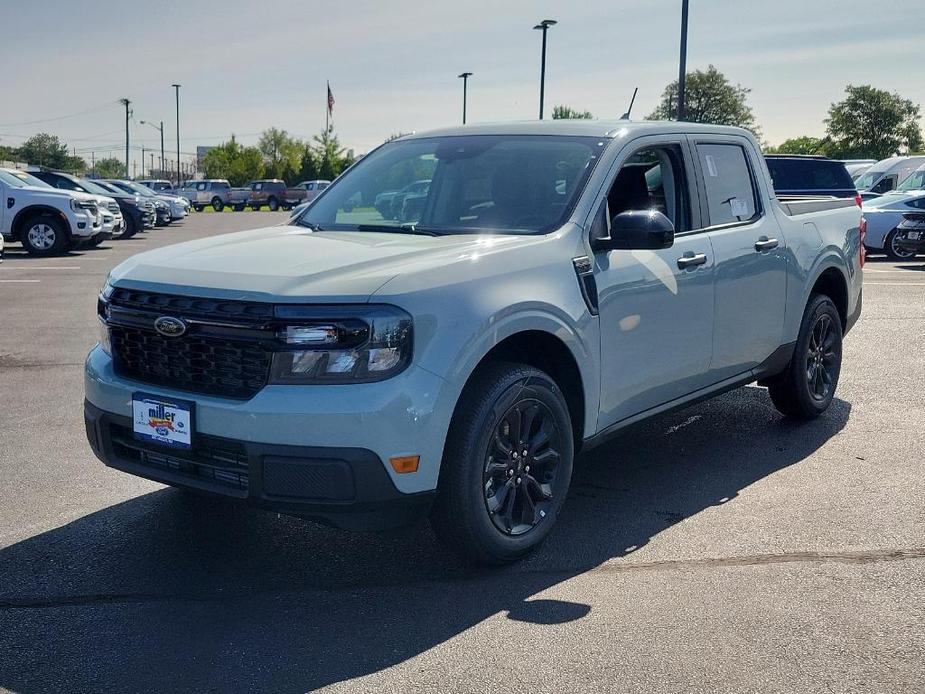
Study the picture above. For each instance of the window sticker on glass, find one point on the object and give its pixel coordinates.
(711, 165)
(739, 207)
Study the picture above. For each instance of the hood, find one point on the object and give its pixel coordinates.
(290, 263)
(60, 193)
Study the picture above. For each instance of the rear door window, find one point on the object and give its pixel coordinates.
(728, 183)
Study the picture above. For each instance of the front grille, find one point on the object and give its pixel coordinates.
(212, 460)
(198, 364)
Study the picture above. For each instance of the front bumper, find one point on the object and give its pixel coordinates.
(85, 225)
(344, 487)
(405, 415)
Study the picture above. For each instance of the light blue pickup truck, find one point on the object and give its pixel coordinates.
(558, 281)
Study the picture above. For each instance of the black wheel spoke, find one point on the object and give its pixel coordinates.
(521, 466)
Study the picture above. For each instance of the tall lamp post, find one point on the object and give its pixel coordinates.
(161, 129)
(465, 78)
(682, 62)
(544, 27)
(176, 88)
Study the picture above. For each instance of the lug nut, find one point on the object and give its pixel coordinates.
(527, 468)
(525, 453)
(518, 480)
(510, 473)
(515, 455)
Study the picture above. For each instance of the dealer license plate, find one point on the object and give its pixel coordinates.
(165, 421)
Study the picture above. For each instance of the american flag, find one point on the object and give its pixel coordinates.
(330, 100)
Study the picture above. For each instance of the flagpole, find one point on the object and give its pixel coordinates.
(327, 110)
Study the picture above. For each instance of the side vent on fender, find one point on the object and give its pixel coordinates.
(584, 269)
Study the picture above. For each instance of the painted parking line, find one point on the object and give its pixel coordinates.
(18, 281)
(46, 267)
(896, 284)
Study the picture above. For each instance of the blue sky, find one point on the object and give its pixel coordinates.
(245, 66)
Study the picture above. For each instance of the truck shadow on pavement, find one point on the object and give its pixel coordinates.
(169, 592)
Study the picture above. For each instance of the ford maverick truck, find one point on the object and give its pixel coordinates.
(554, 283)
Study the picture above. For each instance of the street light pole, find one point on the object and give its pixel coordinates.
(682, 62)
(176, 88)
(465, 78)
(544, 27)
(159, 128)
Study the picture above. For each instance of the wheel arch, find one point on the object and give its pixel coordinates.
(549, 353)
(27, 213)
(832, 282)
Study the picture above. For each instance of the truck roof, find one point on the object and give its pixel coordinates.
(579, 127)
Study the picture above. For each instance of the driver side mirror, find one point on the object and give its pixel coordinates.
(638, 230)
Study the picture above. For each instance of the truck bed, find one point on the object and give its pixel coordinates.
(795, 205)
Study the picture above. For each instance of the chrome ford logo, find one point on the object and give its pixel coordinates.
(169, 326)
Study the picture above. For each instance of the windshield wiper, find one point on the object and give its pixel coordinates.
(407, 228)
(309, 225)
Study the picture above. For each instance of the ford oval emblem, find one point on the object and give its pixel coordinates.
(168, 326)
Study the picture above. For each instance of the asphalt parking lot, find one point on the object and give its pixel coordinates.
(716, 549)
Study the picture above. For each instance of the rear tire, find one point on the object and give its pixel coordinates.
(130, 228)
(490, 507)
(239, 208)
(893, 252)
(44, 236)
(807, 387)
(274, 204)
(199, 208)
(217, 204)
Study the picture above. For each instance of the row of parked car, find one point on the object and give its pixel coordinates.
(891, 192)
(51, 212)
(218, 193)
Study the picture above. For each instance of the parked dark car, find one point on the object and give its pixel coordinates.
(390, 203)
(161, 208)
(133, 213)
(795, 174)
(910, 234)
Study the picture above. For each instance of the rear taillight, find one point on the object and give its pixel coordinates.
(862, 228)
(858, 200)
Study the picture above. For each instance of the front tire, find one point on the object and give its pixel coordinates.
(506, 466)
(807, 387)
(44, 235)
(131, 228)
(894, 252)
(274, 204)
(217, 204)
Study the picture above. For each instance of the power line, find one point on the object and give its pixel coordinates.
(95, 109)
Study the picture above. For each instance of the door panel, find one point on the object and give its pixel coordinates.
(750, 254)
(751, 286)
(656, 326)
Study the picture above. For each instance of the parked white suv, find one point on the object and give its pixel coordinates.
(47, 221)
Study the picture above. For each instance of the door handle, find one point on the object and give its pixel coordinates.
(692, 260)
(765, 244)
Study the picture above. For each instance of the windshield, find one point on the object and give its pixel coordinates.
(27, 179)
(914, 182)
(92, 187)
(521, 184)
(136, 188)
(868, 179)
(12, 180)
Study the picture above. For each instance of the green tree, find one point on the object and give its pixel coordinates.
(233, 161)
(282, 154)
(800, 145)
(44, 149)
(329, 155)
(872, 123)
(110, 168)
(709, 98)
(566, 112)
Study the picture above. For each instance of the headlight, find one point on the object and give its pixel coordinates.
(351, 344)
(102, 310)
(75, 204)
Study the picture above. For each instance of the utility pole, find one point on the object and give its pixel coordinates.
(93, 162)
(682, 62)
(126, 102)
(152, 165)
(176, 88)
(544, 27)
(465, 78)
(142, 161)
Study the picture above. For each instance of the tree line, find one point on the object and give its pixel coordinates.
(278, 155)
(869, 123)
